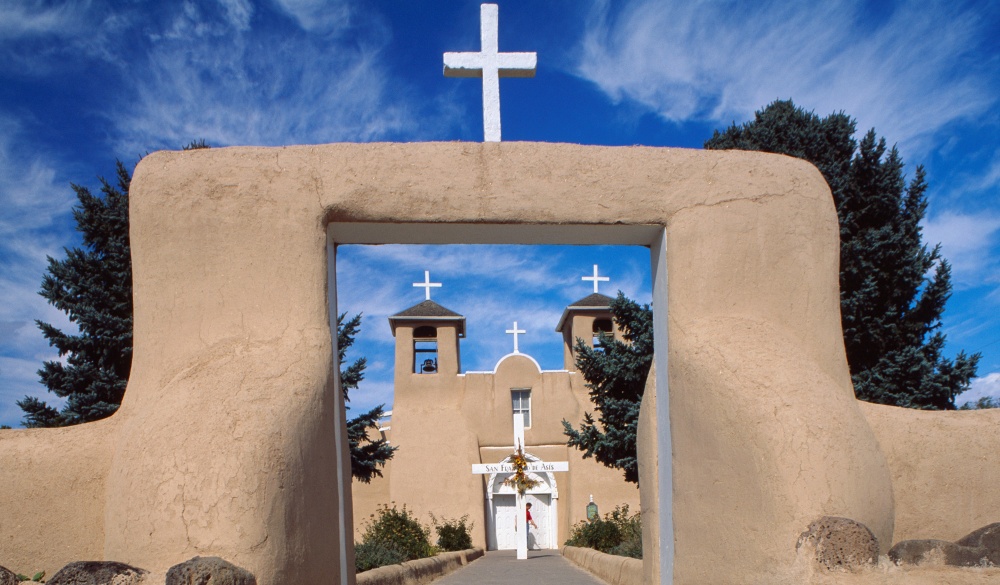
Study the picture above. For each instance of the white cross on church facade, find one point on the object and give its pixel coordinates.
(534, 467)
(491, 65)
(515, 331)
(596, 279)
(427, 285)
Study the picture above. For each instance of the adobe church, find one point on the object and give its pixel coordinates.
(444, 420)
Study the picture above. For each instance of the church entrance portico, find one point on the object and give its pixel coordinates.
(504, 531)
(501, 518)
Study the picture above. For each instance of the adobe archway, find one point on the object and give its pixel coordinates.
(228, 444)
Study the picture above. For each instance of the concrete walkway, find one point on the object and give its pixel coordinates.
(502, 568)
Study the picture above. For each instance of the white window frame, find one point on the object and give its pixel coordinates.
(522, 393)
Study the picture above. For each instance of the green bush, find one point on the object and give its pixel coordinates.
(453, 534)
(371, 555)
(398, 529)
(630, 547)
(602, 535)
(617, 533)
(631, 530)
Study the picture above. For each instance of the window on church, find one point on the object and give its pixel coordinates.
(425, 350)
(601, 326)
(521, 400)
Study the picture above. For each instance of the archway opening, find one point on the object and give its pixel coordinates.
(343, 234)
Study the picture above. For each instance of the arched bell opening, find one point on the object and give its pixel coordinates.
(425, 350)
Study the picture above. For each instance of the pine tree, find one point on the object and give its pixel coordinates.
(893, 289)
(983, 403)
(367, 455)
(615, 372)
(93, 285)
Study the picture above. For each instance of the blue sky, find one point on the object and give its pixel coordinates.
(88, 81)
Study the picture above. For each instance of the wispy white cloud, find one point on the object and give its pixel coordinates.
(32, 226)
(908, 73)
(20, 378)
(238, 13)
(478, 280)
(988, 178)
(323, 16)
(24, 19)
(968, 242)
(37, 38)
(988, 385)
(206, 76)
(35, 205)
(370, 394)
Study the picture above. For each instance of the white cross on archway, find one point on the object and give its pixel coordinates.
(491, 65)
(597, 279)
(515, 332)
(537, 466)
(427, 285)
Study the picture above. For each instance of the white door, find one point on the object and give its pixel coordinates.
(538, 538)
(504, 517)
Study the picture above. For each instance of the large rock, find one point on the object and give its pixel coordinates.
(97, 573)
(942, 552)
(840, 543)
(209, 571)
(7, 577)
(987, 537)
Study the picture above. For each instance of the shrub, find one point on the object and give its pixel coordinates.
(453, 534)
(371, 555)
(617, 533)
(631, 531)
(602, 535)
(629, 547)
(397, 528)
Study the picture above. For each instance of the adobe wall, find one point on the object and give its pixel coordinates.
(52, 493)
(227, 442)
(944, 465)
(366, 499)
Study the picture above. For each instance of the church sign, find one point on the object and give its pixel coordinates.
(534, 467)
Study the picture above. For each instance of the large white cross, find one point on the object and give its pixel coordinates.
(597, 279)
(537, 466)
(491, 65)
(427, 285)
(514, 332)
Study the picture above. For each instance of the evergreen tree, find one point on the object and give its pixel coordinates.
(615, 372)
(983, 403)
(367, 455)
(893, 288)
(93, 285)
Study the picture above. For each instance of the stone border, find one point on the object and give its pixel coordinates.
(420, 571)
(612, 569)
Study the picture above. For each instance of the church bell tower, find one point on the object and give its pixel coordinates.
(427, 337)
